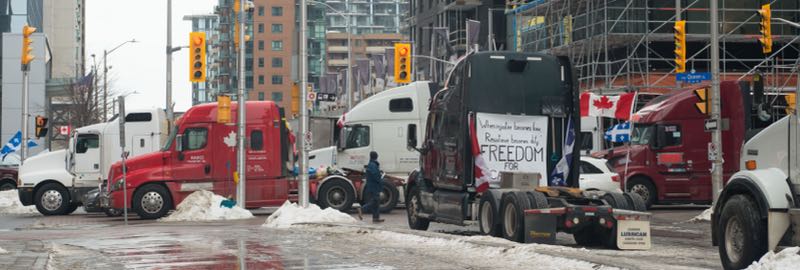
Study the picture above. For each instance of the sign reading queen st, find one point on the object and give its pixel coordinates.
(512, 143)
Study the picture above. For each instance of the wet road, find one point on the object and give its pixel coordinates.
(91, 241)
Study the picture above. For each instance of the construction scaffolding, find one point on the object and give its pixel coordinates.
(627, 45)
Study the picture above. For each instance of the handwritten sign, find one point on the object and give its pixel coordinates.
(512, 143)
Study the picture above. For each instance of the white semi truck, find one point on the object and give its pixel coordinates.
(759, 208)
(57, 181)
(379, 123)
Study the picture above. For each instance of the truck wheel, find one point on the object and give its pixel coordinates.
(488, 216)
(742, 233)
(616, 200)
(112, 212)
(512, 211)
(7, 184)
(635, 202)
(336, 194)
(413, 207)
(645, 188)
(538, 200)
(152, 201)
(588, 237)
(52, 199)
(389, 197)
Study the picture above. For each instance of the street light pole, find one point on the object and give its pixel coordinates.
(303, 104)
(170, 115)
(241, 168)
(105, 77)
(716, 136)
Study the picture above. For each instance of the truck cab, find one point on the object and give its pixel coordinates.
(667, 159)
(200, 154)
(56, 181)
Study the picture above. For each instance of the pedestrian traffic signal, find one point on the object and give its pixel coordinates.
(680, 46)
(402, 62)
(41, 126)
(702, 95)
(197, 57)
(223, 109)
(766, 29)
(27, 55)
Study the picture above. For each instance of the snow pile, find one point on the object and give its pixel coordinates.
(203, 206)
(10, 204)
(291, 213)
(786, 259)
(3, 251)
(704, 216)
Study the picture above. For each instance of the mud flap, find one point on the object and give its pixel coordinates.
(540, 228)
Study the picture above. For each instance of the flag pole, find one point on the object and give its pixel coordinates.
(630, 140)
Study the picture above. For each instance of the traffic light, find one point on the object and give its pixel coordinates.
(295, 99)
(27, 55)
(197, 57)
(223, 109)
(680, 46)
(702, 95)
(766, 29)
(41, 126)
(790, 102)
(402, 62)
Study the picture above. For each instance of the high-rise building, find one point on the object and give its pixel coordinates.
(226, 64)
(64, 26)
(367, 17)
(207, 91)
(273, 37)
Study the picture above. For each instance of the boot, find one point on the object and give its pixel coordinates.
(377, 220)
(360, 214)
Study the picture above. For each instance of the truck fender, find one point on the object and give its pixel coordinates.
(410, 182)
(771, 198)
(326, 179)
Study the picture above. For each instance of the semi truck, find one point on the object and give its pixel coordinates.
(758, 210)
(378, 123)
(667, 159)
(501, 119)
(200, 154)
(57, 181)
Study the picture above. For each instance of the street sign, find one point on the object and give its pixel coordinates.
(307, 140)
(330, 97)
(312, 96)
(693, 77)
(121, 101)
(712, 152)
(711, 125)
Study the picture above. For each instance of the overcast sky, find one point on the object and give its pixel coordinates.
(141, 66)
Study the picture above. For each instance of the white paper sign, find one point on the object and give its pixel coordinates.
(512, 143)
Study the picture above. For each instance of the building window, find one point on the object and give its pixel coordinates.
(277, 28)
(277, 11)
(277, 96)
(261, 45)
(260, 80)
(261, 28)
(277, 79)
(277, 62)
(261, 94)
(260, 10)
(261, 62)
(277, 45)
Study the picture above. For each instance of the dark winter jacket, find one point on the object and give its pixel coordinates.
(374, 181)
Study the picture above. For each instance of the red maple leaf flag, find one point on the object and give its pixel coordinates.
(618, 107)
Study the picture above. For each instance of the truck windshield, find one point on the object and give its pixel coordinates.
(642, 134)
(356, 136)
(171, 139)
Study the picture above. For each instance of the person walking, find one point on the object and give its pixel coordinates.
(372, 190)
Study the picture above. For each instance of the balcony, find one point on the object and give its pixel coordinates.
(337, 62)
(377, 49)
(337, 49)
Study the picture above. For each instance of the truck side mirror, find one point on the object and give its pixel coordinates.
(659, 138)
(411, 136)
(340, 144)
(179, 143)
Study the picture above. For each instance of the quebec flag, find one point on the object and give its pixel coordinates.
(619, 133)
(560, 173)
(14, 144)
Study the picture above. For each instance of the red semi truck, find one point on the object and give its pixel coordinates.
(668, 160)
(200, 155)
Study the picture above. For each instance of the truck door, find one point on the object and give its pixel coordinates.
(671, 161)
(192, 165)
(224, 163)
(358, 139)
(87, 157)
(264, 187)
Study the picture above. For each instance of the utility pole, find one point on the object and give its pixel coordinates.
(25, 60)
(716, 136)
(304, 100)
(241, 168)
(349, 62)
(105, 86)
(170, 115)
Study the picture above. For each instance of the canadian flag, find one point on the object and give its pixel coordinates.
(618, 107)
(481, 171)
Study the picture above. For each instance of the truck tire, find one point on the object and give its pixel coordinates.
(488, 215)
(52, 199)
(389, 197)
(742, 233)
(152, 201)
(336, 194)
(635, 202)
(7, 184)
(645, 188)
(616, 200)
(538, 200)
(413, 204)
(512, 211)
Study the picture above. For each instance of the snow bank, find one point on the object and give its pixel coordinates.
(786, 259)
(291, 213)
(705, 216)
(10, 204)
(3, 251)
(203, 206)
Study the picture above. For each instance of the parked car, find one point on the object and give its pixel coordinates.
(596, 174)
(8, 177)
